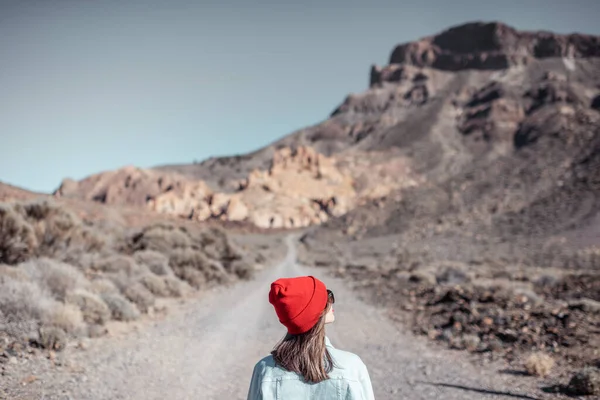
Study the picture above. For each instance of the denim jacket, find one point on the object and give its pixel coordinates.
(349, 380)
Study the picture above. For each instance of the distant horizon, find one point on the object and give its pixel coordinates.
(91, 87)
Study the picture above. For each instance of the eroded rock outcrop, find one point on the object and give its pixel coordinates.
(128, 185)
(491, 46)
(301, 188)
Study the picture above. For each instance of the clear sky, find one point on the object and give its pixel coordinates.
(91, 85)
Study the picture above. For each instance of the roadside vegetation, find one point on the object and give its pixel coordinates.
(62, 277)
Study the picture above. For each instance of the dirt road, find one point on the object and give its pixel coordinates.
(206, 349)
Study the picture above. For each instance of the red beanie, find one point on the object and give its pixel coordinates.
(299, 302)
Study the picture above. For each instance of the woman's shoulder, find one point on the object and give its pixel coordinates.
(267, 367)
(265, 363)
(347, 361)
(344, 357)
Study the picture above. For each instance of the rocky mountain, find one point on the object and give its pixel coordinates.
(480, 124)
(9, 192)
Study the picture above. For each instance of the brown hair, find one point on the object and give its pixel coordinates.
(306, 353)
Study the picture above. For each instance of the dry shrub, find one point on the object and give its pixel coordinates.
(118, 264)
(26, 305)
(58, 231)
(14, 296)
(161, 238)
(94, 331)
(92, 239)
(155, 284)
(67, 317)
(17, 239)
(206, 256)
(23, 306)
(539, 364)
(194, 267)
(192, 276)
(260, 258)
(124, 283)
(57, 277)
(52, 338)
(119, 279)
(242, 269)
(217, 245)
(38, 209)
(84, 261)
(102, 286)
(140, 296)
(176, 287)
(156, 262)
(121, 309)
(13, 273)
(471, 342)
(92, 307)
(44, 228)
(189, 257)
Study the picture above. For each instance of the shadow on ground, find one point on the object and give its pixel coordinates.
(479, 390)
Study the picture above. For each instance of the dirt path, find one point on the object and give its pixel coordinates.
(206, 349)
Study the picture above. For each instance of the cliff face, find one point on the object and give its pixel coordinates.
(479, 122)
(492, 46)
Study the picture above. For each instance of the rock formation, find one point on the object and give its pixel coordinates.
(300, 188)
(491, 46)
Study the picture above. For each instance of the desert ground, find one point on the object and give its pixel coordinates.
(206, 348)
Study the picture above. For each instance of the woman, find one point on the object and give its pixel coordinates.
(304, 365)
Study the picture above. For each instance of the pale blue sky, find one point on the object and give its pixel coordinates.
(87, 86)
